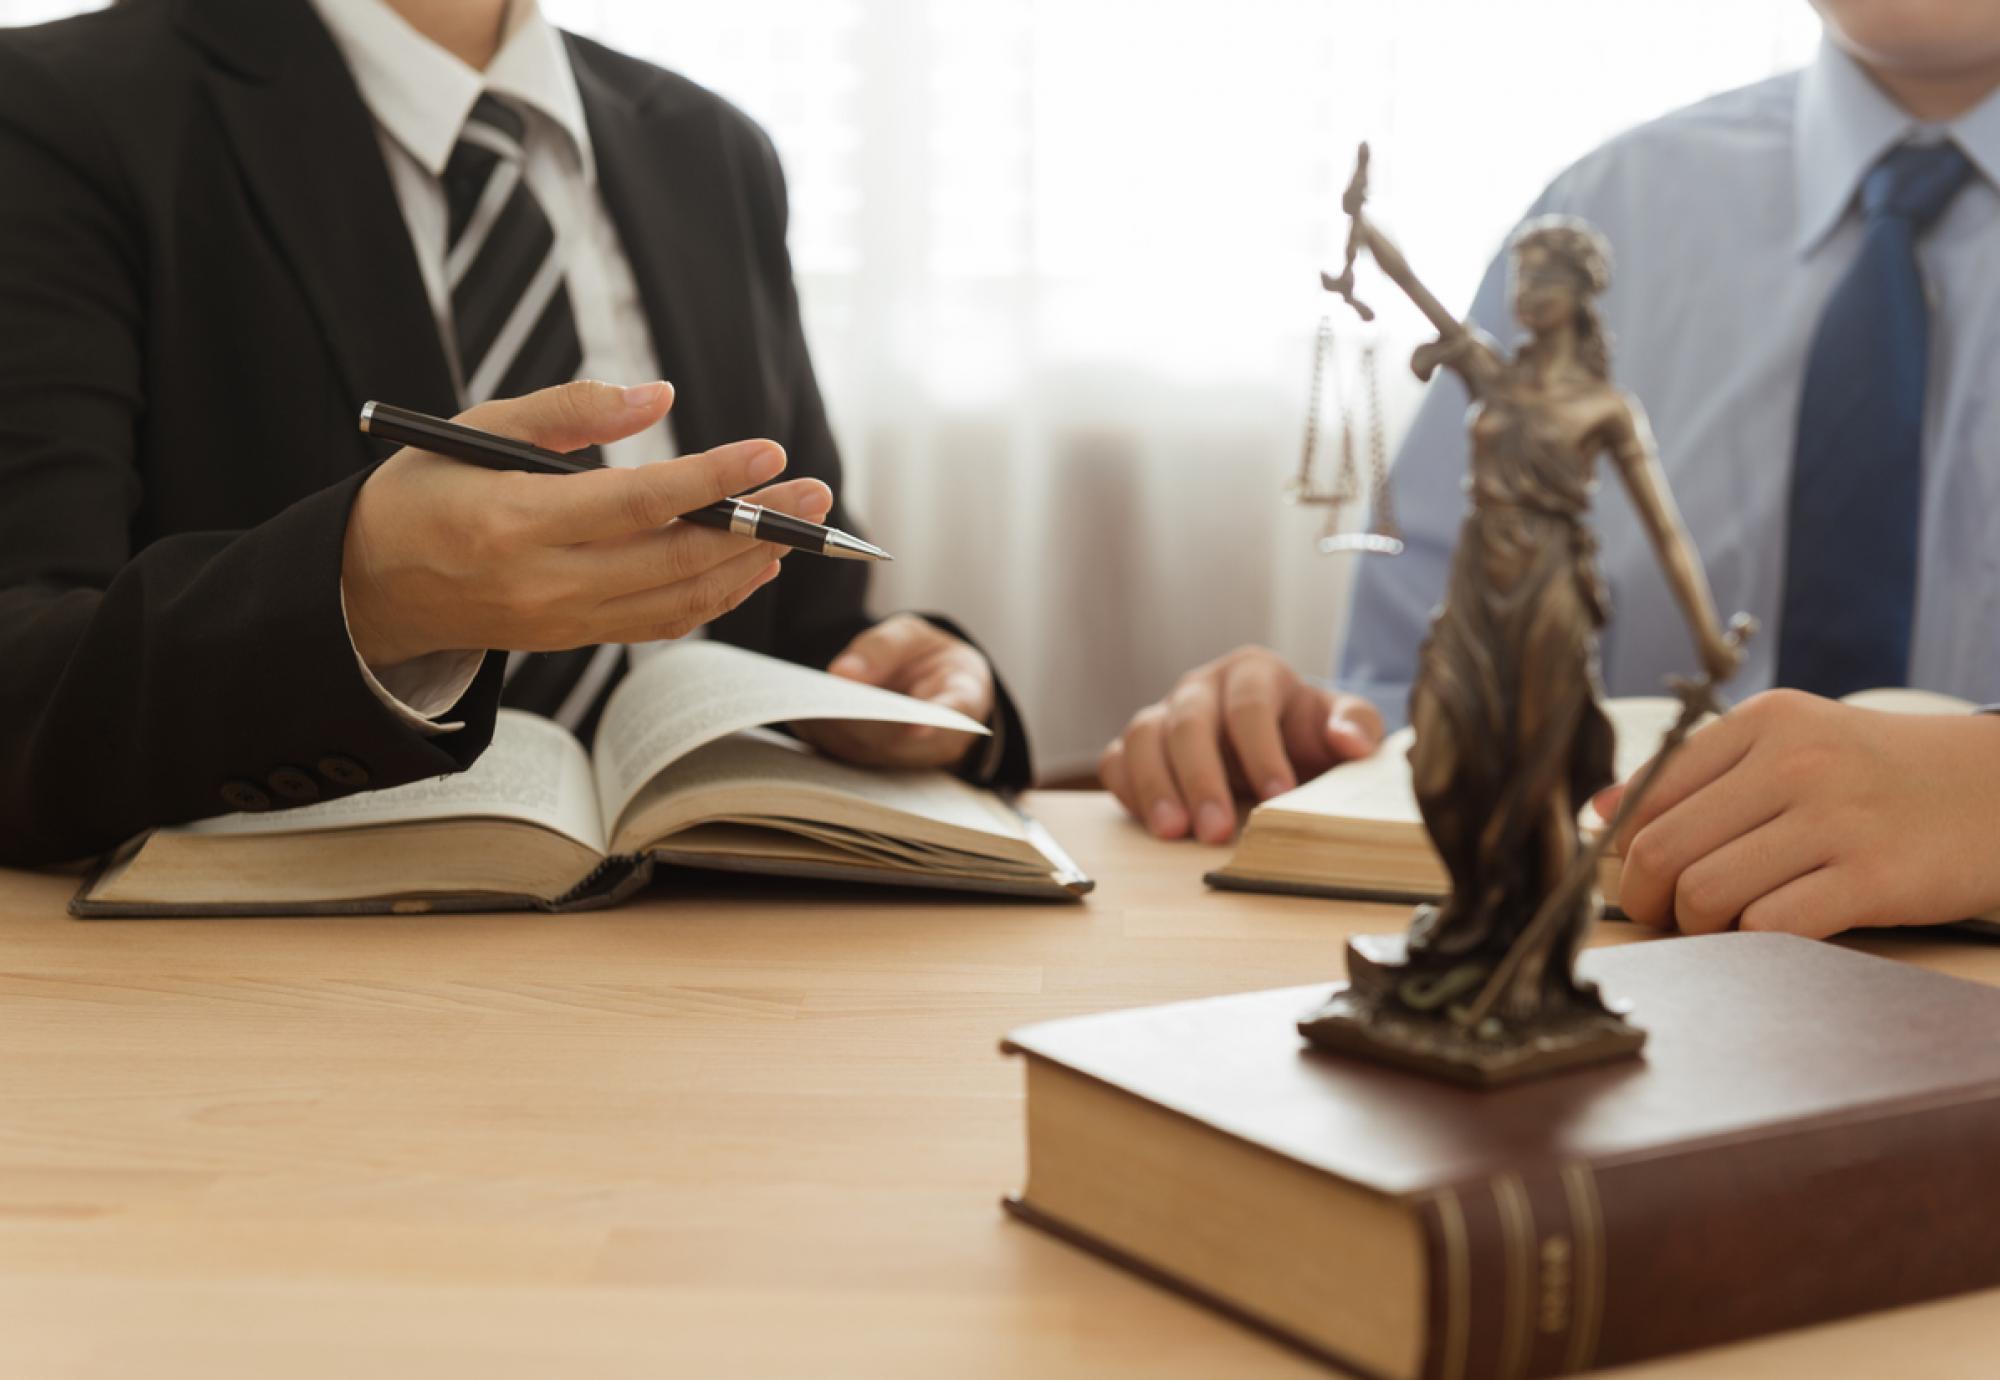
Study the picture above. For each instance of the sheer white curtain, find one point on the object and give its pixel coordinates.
(1059, 263)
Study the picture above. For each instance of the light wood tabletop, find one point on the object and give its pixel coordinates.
(727, 1130)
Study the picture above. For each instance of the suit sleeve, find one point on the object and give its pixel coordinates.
(818, 617)
(147, 683)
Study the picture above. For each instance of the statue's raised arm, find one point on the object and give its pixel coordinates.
(1458, 347)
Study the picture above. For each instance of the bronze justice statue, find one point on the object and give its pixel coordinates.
(1510, 739)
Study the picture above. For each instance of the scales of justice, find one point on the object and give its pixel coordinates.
(1511, 739)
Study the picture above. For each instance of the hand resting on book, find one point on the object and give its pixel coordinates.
(913, 657)
(1813, 816)
(1245, 724)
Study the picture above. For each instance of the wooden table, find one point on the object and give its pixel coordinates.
(714, 1133)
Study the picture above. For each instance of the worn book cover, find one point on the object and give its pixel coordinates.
(1810, 1133)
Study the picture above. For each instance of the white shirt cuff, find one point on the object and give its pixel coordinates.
(420, 689)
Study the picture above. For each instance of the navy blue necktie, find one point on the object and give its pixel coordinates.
(1851, 543)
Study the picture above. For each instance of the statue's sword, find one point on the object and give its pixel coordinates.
(1697, 698)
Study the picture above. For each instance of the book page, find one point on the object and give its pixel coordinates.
(761, 775)
(1377, 787)
(535, 770)
(691, 693)
(1902, 699)
(1641, 721)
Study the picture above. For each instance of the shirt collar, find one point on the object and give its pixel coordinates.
(421, 93)
(1844, 124)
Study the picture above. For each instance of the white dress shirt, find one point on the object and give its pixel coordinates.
(1730, 223)
(420, 96)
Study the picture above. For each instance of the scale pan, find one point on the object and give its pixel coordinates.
(1367, 543)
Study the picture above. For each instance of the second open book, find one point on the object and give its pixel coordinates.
(682, 772)
(1354, 832)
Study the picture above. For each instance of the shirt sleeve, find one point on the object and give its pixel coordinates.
(420, 689)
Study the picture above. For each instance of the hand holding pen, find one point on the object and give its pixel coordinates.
(461, 442)
(439, 556)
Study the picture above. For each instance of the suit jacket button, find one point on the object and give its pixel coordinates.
(293, 786)
(244, 795)
(343, 771)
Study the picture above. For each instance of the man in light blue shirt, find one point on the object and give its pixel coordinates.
(1733, 223)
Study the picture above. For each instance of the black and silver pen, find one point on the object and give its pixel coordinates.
(476, 447)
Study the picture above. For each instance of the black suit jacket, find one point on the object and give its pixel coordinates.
(203, 274)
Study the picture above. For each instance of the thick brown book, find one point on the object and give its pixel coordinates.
(1812, 1132)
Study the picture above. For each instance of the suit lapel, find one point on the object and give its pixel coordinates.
(671, 191)
(311, 161)
(668, 185)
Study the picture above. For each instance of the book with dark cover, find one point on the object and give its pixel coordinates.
(1812, 1132)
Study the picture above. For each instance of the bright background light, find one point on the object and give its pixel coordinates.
(1059, 265)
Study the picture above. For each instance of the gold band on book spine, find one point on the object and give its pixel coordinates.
(1458, 1284)
(1587, 1222)
(1517, 1257)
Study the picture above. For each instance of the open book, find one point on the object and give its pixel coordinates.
(1354, 832)
(681, 773)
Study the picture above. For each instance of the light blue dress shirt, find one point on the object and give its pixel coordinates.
(1730, 223)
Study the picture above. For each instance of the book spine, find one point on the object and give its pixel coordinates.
(1554, 1271)
(607, 884)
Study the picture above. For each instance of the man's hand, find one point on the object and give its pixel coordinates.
(446, 556)
(1803, 814)
(1244, 724)
(905, 653)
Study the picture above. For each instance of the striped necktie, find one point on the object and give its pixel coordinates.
(510, 307)
(515, 332)
(1857, 473)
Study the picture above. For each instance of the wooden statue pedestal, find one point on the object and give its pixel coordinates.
(1366, 1018)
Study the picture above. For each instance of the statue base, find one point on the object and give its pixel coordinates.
(1366, 1018)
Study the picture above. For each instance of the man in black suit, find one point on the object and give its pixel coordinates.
(228, 223)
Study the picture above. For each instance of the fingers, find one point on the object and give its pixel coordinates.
(1194, 757)
(1254, 695)
(679, 551)
(1242, 722)
(1708, 753)
(1307, 714)
(1322, 729)
(896, 746)
(951, 682)
(1153, 790)
(803, 498)
(573, 415)
(915, 657)
(1711, 892)
(1817, 905)
(1113, 775)
(572, 508)
(840, 738)
(1658, 856)
(878, 653)
(677, 609)
(1607, 801)
(1353, 728)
